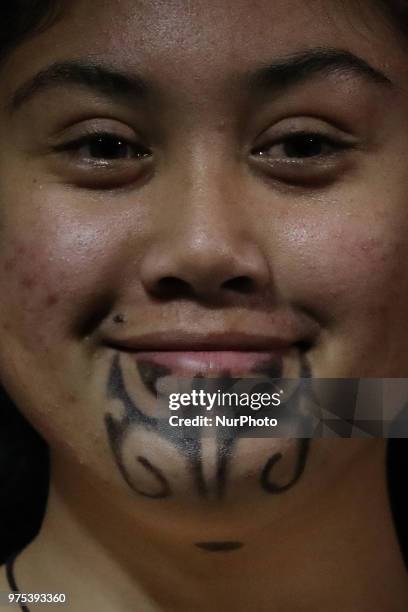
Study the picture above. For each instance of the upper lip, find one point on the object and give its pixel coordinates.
(182, 341)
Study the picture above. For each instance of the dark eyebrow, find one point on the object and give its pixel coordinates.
(283, 73)
(102, 79)
(304, 65)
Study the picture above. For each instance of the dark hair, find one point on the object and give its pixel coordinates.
(21, 18)
(24, 457)
(396, 11)
(24, 476)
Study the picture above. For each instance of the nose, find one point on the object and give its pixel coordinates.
(206, 247)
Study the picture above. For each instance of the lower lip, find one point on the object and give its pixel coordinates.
(192, 363)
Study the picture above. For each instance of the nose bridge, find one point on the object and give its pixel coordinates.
(205, 239)
(207, 195)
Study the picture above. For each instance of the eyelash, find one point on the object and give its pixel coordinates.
(312, 159)
(104, 139)
(303, 138)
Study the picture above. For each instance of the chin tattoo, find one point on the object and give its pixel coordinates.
(190, 448)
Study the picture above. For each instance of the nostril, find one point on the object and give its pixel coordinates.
(170, 287)
(239, 284)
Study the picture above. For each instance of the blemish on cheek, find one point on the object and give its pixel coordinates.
(28, 282)
(19, 253)
(52, 300)
(9, 264)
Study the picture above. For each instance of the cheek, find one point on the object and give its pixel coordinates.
(54, 273)
(347, 268)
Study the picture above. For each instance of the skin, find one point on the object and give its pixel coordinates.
(320, 242)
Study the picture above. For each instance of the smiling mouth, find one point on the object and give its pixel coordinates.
(235, 355)
(236, 364)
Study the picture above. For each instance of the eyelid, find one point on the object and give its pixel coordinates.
(269, 157)
(81, 169)
(336, 144)
(306, 125)
(73, 148)
(75, 143)
(95, 127)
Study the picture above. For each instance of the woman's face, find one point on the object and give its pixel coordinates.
(228, 179)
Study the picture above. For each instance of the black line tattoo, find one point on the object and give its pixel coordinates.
(272, 487)
(187, 444)
(303, 447)
(134, 417)
(165, 488)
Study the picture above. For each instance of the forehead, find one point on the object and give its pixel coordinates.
(199, 42)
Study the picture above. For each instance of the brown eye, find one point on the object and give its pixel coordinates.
(105, 148)
(304, 145)
(304, 158)
(103, 160)
(301, 146)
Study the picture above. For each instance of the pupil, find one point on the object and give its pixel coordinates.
(108, 148)
(303, 146)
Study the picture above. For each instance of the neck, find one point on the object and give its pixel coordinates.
(328, 551)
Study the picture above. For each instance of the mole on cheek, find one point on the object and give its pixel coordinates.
(119, 318)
